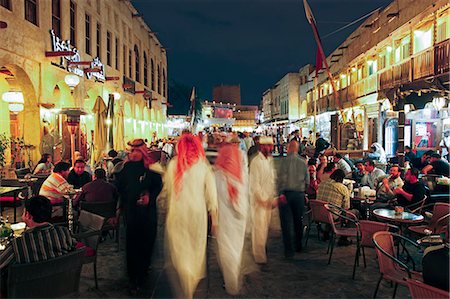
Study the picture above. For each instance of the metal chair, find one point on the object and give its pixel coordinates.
(391, 268)
(53, 278)
(89, 232)
(440, 218)
(318, 214)
(421, 290)
(343, 216)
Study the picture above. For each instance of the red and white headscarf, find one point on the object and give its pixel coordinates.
(189, 151)
(229, 161)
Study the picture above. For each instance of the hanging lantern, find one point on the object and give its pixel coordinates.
(15, 101)
(72, 81)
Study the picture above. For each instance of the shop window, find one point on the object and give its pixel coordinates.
(6, 4)
(32, 11)
(425, 135)
(137, 65)
(56, 17)
(73, 22)
(350, 139)
(145, 70)
(124, 62)
(152, 76)
(87, 28)
(443, 26)
(159, 79)
(391, 137)
(129, 63)
(99, 40)
(423, 37)
(402, 49)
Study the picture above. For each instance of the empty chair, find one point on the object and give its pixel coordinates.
(49, 279)
(318, 214)
(420, 290)
(440, 218)
(340, 231)
(391, 268)
(89, 232)
(367, 229)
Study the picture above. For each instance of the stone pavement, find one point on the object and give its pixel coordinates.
(307, 275)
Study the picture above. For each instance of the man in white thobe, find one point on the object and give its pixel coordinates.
(262, 180)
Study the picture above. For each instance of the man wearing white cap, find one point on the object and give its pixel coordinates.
(262, 193)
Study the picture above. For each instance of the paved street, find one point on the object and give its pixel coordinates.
(305, 276)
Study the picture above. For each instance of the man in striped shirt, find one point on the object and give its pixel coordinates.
(41, 241)
(56, 185)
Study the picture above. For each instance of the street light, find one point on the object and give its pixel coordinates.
(72, 81)
(15, 101)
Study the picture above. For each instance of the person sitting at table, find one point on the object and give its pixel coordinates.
(359, 172)
(423, 161)
(385, 191)
(437, 166)
(99, 190)
(413, 191)
(336, 193)
(372, 174)
(322, 164)
(78, 177)
(434, 257)
(41, 240)
(56, 186)
(343, 165)
(44, 165)
(311, 191)
(409, 154)
(327, 171)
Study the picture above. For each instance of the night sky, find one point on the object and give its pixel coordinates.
(253, 43)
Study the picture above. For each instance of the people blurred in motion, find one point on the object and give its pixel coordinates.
(231, 173)
(139, 188)
(293, 179)
(262, 180)
(191, 194)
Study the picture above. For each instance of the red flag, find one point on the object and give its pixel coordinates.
(319, 61)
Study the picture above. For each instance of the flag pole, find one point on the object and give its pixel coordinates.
(312, 21)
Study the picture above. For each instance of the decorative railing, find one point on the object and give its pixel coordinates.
(423, 64)
(401, 73)
(442, 57)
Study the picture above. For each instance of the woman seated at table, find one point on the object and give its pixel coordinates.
(44, 165)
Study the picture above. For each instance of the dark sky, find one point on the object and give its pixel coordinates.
(253, 43)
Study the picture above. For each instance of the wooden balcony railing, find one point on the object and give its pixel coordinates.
(386, 79)
(401, 73)
(442, 57)
(423, 64)
(371, 84)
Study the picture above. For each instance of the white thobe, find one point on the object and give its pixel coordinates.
(187, 222)
(232, 225)
(262, 180)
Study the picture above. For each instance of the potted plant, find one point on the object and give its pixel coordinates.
(5, 142)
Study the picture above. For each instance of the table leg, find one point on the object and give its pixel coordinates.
(15, 209)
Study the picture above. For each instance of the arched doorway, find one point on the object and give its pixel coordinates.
(19, 119)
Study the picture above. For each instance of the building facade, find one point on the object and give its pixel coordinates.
(227, 94)
(106, 45)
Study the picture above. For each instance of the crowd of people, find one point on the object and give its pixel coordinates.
(232, 199)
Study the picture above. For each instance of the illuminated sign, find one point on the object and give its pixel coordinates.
(97, 64)
(59, 45)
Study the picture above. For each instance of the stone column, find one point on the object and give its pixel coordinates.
(399, 106)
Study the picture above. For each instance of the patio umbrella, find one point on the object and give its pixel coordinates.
(119, 142)
(100, 128)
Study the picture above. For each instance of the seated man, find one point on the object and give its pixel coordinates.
(343, 165)
(421, 162)
(99, 190)
(372, 174)
(359, 173)
(437, 166)
(326, 173)
(413, 191)
(41, 240)
(55, 186)
(78, 177)
(385, 191)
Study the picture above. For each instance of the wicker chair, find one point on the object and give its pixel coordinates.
(421, 290)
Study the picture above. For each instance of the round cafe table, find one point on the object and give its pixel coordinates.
(402, 218)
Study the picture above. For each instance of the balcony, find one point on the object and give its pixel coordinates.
(423, 64)
(442, 58)
(401, 73)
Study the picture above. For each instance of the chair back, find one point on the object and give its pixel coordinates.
(49, 279)
(441, 215)
(318, 211)
(104, 209)
(384, 247)
(421, 290)
(91, 222)
(368, 228)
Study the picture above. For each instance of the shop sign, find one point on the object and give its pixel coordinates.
(97, 64)
(129, 85)
(59, 45)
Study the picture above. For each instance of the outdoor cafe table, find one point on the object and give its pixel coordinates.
(403, 218)
(15, 191)
(364, 203)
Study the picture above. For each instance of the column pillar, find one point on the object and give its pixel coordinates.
(400, 108)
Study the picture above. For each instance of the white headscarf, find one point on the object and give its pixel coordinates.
(379, 150)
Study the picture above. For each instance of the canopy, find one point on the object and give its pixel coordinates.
(100, 128)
